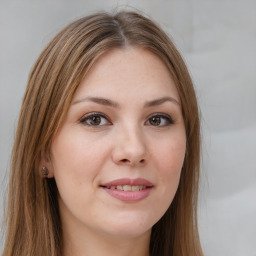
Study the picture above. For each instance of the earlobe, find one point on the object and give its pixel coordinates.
(45, 167)
(44, 172)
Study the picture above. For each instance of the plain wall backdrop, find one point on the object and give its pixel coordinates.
(217, 39)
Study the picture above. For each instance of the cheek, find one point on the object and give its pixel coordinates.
(170, 157)
(76, 153)
(76, 162)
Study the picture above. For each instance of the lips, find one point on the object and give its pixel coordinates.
(128, 190)
(127, 181)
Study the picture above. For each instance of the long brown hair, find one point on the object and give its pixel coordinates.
(33, 221)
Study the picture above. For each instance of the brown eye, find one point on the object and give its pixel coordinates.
(160, 120)
(95, 119)
(155, 120)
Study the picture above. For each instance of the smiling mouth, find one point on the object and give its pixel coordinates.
(128, 190)
(127, 187)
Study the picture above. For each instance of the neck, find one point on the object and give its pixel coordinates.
(89, 243)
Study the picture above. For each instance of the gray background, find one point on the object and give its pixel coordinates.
(218, 41)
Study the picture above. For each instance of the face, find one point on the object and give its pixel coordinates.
(118, 156)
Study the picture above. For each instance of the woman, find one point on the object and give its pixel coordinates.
(106, 155)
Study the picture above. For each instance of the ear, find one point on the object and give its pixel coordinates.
(46, 166)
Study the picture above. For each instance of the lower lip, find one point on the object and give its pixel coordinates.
(129, 196)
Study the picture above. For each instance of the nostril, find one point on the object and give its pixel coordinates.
(131, 162)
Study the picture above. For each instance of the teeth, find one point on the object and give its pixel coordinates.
(127, 187)
(135, 188)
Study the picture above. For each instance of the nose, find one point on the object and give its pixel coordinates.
(130, 148)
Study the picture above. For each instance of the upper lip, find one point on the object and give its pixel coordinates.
(128, 181)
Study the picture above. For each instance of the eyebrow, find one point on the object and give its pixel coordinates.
(101, 101)
(161, 101)
(110, 103)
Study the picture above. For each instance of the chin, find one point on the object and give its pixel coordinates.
(129, 226)
(128, 232)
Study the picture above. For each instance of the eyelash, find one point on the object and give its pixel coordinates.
(166, 117)
(88, 118)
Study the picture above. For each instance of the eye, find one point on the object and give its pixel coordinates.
(160, 120)
(95, 119)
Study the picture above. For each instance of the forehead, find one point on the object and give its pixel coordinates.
(128, 71)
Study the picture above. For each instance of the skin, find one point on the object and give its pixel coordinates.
(127, 143)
